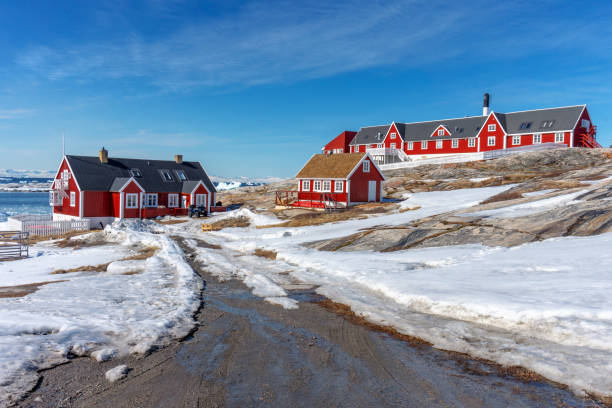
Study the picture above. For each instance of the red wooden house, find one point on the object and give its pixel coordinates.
(340, 144)
(105, 189)
(335, 181)
(569, 126)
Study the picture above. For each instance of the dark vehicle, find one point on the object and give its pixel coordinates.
(197, 211)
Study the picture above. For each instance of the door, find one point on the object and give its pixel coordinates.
(372, 190)
(184, 202)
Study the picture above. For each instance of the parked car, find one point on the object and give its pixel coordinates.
(197, 211)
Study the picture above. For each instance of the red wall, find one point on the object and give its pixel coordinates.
(66, 208)
(317, 196)
(359, 183)
(435, 132)
(388, 141)
(579, 129)
(132, 188)
(340, 142)
(484, 135)
(98, 204)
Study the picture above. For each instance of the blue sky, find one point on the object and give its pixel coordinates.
(255, 88)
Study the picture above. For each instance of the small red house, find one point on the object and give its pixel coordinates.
(340, 144)
(104, 189)
(337, 181)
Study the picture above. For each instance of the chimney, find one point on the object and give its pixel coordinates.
(178, 158)
(103, 155)
(485, 105)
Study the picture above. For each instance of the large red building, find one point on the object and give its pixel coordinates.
(104, 189)
(569, 126)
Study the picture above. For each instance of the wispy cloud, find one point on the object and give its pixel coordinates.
(14, 113)
(263, 42)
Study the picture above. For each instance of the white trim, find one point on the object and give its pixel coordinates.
(494, 129)
(121, 204)
(317, 189)
(519, 140)
(571, 139)
(302, 187)
(127, 201)
(366, 169)
(81, 204)
(562, 137)
(426, 144)
(439, 144)
(489, 141)
(533, 138)
(146, 201)
(348, 192)
(579, 116)
(435, 132)
(128, 182)
(541, 109)
(174, 195)
(372, 161)
(341, 186)
(326, 190)
(532, 132)
(71, 172)
(454, 143)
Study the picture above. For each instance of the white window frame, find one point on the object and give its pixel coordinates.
(472, 142)
(410, 146)
(326, 186)
(73, 198)
(305, 185)
(164, 173)
(439, 144)
(393, 135)
(393, 146)
(366, 166)
(338, 186)
(537, 138)
(316, 185)
(491, 127)
(135, 172)
(424, 145)
(173, 200)
(131, 200)
(65, 178)
(559, 137)
(379, 146)
(151, 200)
(516, 140)
(200, 200)
(440, 132)
(585, 123)
(181, 175)
(490, 140)
(455, 143)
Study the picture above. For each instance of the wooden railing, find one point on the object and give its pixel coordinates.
(152, 212)
(588, 139)
(14, 245)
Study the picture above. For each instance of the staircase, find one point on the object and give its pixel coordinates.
(588, 139)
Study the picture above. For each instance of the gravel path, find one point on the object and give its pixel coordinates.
(248, 353)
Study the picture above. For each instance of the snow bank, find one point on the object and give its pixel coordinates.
(256, 219)
(92, 313)
(117, 373)
(532, 207)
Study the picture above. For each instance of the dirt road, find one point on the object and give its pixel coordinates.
(248, 353)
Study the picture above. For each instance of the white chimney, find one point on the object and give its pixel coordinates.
(485, 105)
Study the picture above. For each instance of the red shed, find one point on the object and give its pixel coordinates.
(340, 144)
(336, 181)
(104, 189)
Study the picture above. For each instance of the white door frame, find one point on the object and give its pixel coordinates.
(371, 190)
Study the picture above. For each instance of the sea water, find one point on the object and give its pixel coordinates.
(12, 203)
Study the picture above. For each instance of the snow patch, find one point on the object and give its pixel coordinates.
(117, 373)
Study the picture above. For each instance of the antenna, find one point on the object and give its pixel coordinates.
(63, 144)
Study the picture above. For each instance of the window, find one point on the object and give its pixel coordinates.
(471, 142)
(547, 123)
(393, 135)
(65, 178)
(181, 175)
(72, 198)
(166, 175)
(559, 137)
(305, 185)
(440, 132)
(410, 146)
(316, 185)
(393, 145)
(424, 145)
(150, 200)
(537, 138)
(339, 186)
(516, 140)
(135, 173)
(201, 200)
(455, 143)
(491, 128)
(585, 123)
(131, 200)
(438, 144)
(366, 166)
(327, 186)
(525, 125)
(172, 200)
(491, 141)
(379, 146)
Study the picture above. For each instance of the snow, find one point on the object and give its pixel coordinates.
(117, 373)
(529, 208)
(544, 306)
(255, 219)
(99, 314)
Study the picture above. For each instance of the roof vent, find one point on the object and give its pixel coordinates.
(103, 155)
(178, 158)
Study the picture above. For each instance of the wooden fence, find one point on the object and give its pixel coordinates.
(14, 245)
(47, 228)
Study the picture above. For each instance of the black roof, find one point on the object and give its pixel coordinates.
(539, 120)
(93, 175)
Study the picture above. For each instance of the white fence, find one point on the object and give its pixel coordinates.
(467, 157)
(50, 227)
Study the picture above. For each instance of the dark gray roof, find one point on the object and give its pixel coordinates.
(459, 128)
(562, 119)
(189, 186)
(369, 135)
(92, 175)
